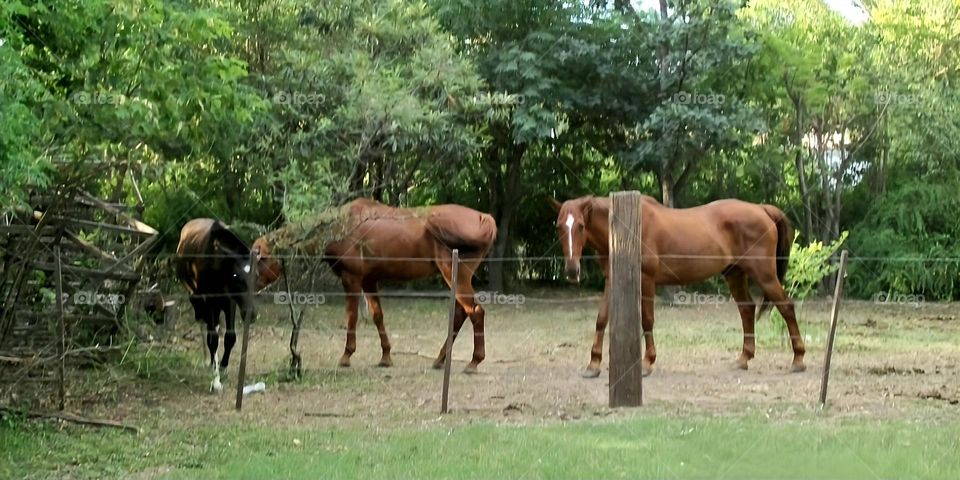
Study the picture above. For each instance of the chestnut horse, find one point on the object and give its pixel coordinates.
(737, 239)
(385, 243)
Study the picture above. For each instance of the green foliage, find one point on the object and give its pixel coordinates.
(23, 160)
(257, 113)
(909, 242)
(810, 265)
(700, 108)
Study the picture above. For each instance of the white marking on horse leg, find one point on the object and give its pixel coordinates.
(569, 224)
(366, 305)
(215, 385)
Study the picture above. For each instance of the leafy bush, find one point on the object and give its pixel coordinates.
(808, 267)
(909, 243)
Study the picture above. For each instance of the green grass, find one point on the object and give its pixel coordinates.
(637, 446)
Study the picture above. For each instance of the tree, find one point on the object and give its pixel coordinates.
(701, 56)
(564, 78)
(823, 108)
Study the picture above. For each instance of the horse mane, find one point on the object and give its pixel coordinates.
(220, 232)
(312, 233)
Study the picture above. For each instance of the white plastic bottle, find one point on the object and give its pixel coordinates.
(256, 387)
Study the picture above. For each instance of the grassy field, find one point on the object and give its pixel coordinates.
(634, 446)
(528, 414)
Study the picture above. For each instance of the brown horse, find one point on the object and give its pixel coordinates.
(385, 243)
(213, 263)
(679, 246)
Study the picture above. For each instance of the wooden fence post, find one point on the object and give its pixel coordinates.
(626, 372)
(62, 344)
(448, 359)
(828, 355)
(247, 318)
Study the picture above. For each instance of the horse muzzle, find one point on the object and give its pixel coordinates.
(572, 272)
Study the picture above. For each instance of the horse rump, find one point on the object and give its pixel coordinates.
(462, 228)
(784, 244)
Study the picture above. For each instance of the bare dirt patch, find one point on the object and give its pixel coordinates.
(886, 363)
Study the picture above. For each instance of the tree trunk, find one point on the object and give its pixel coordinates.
(667, 187)
(356, 176)
(663, 51)
(797, 138)
(510, 199)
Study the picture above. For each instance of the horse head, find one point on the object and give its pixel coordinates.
(572, 219)
(269, 268)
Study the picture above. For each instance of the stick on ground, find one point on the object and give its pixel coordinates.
(70, 417)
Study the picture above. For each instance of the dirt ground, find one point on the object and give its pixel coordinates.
(899, 361)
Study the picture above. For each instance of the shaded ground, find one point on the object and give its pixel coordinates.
(889, 361)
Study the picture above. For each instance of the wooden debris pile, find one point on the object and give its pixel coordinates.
(99, 247)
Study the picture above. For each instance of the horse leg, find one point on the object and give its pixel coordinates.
(774, 292)
(737, 281)
(459, 316)
(476, 314)
(213, 343)
(466, 306)
(373, 304)
(230, 336)
(648, 290)
(466, 300)
(596, 353)
(352, 289)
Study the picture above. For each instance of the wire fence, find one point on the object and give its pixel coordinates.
(303, 269)
(527, 316)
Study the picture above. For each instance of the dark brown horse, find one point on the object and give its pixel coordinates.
(213, 263)
(737, 239)
(384, 243)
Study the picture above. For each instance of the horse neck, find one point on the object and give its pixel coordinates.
(598, 229)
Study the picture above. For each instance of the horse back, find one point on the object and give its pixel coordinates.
(198, 263)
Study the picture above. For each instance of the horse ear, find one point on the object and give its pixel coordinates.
(588, 207)
(219, 247)
(222, 248)
(555, 204)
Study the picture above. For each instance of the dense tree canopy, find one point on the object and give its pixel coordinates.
(257, 112)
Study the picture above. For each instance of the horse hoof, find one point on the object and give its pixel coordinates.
(344, 362)
(216, 387)
(437, 364)
(739, 365)
(797, 368)
(590, 373)
(385, 363)
(470, 369)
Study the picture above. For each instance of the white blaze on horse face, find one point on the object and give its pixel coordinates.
(569, 224)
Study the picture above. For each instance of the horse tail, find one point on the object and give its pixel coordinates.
(784, 244)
